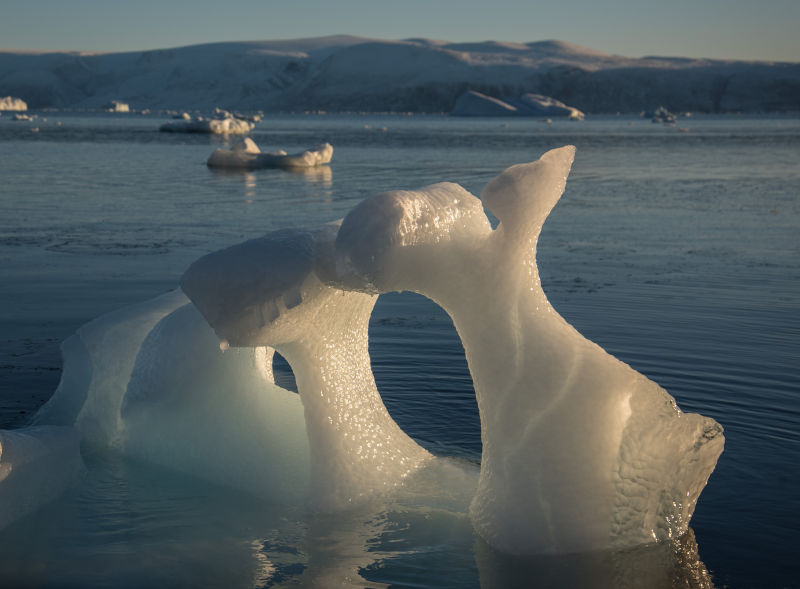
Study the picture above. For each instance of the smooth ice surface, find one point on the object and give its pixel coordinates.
(36, 465)
(580, 452)
(270, 292)
(245, 154)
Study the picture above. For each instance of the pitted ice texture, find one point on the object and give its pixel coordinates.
(269, 292)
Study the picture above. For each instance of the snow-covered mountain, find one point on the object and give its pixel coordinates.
(346, 73)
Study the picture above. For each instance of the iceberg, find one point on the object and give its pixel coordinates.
(475, 104)
(117, 106)
(246, 155)
(11, 103)
(581, 453)
(223, 123)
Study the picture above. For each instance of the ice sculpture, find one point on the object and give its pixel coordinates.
(246, 155)
(270, 291)
(580, 451)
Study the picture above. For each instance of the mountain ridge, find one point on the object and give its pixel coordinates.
(350, 73)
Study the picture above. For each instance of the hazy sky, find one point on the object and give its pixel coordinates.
(740, 29)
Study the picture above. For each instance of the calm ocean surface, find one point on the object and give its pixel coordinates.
(677, 249)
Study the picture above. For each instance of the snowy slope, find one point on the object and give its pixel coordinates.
(346, 73)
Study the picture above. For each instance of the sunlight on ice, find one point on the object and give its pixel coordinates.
(580, 452)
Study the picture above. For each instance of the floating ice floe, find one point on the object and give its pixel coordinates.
(11, 103)
(580, 451)
(245, 154)
(223, 123)
(273, 289)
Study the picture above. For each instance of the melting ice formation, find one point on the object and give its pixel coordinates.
(245, 154)
(580, 452)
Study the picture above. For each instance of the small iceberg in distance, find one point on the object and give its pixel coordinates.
(245, 154)
(475, 104)
(117, 106)
(223, 123)
(11, 103)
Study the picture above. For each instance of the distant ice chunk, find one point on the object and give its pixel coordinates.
(223, 123)
(245, 154)
(475, 104)
(36, 465)
(538, 105)
(661, 115)
(11, 103)
(580, 451)
(118, 106)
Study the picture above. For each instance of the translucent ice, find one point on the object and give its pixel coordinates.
(580, 451)
(151, 381)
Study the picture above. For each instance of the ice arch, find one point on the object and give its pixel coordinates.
(580, 452)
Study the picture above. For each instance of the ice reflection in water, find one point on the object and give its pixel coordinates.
(131, 525)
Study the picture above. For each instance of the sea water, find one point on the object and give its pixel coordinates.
(676, 248)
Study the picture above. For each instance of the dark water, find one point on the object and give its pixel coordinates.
(677, 251)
